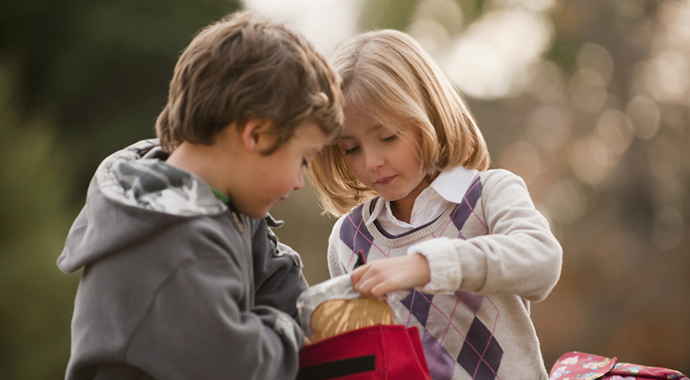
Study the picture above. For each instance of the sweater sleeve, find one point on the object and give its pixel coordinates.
(519, 254)
(195, 329)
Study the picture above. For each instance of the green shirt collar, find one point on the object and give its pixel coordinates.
(223, 197)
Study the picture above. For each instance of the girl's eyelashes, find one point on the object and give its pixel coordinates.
(355, 149)
(305, 163)
(351, 150)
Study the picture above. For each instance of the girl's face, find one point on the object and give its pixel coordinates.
(383, 160)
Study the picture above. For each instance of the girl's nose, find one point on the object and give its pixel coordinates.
(300, 181)
(373, 161)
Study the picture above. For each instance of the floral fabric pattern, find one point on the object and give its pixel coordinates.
(582, 366)
(139, 177)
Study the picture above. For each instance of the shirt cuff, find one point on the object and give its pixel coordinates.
(444, 264)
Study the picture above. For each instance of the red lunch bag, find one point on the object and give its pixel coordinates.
(377, 352)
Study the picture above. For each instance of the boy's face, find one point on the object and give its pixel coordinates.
(269, 179)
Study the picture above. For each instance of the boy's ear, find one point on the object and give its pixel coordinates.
(253, 135)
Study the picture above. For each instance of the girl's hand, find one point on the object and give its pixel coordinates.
(379, 277)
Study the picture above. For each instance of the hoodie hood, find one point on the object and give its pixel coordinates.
(134, 194)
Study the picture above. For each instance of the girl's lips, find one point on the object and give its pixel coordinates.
(385, 180)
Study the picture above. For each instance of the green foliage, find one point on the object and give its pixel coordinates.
(472, 8)
(563, 52)
(78, 80)
(99, 69)
(387, 14)
(35, 298)
(398, 14)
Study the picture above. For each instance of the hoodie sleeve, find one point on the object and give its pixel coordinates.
(194, 329)
(278, 274)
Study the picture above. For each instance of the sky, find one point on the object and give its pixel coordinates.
(324, 22)
(490, 58)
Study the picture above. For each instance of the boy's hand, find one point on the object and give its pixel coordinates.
(379, 277)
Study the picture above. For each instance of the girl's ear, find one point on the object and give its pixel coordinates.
(254, 135)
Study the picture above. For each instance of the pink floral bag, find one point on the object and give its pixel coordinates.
(581, 366)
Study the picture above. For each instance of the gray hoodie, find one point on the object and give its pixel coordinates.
(175, 284)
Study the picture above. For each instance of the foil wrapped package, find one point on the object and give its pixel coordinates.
(334, 307)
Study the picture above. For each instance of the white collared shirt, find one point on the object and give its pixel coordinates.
(448, 187)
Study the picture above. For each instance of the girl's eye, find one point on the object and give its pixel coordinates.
(351, 150)
(305, 163)
(390, 138)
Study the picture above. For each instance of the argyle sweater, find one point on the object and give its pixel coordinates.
(489, 257)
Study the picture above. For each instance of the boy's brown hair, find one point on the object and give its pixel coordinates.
(248, 66)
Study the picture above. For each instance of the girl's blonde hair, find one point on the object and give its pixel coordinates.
(387, 74)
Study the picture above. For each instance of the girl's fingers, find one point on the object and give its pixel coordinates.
(379, 277)
(371, 282)
(379, 292)
(363, 281)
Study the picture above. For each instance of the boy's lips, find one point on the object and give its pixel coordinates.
(385, 180)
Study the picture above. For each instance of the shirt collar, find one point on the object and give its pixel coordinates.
(451, 185)
(379, 207)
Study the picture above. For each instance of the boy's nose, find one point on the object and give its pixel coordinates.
(300, 181)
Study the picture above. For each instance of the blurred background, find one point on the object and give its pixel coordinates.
(588, 101)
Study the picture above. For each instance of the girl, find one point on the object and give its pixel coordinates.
(409, 178)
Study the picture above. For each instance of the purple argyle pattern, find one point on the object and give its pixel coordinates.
(457, 330)
(481, 354)
(463, 211)
(355, 235)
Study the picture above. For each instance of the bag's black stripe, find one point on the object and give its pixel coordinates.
(338, 368)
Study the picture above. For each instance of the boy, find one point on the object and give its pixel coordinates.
(182, 277)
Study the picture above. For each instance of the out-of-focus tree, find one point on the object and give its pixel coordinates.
(588, 101)
(78, 80)
(35, 299)
(99, 70)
